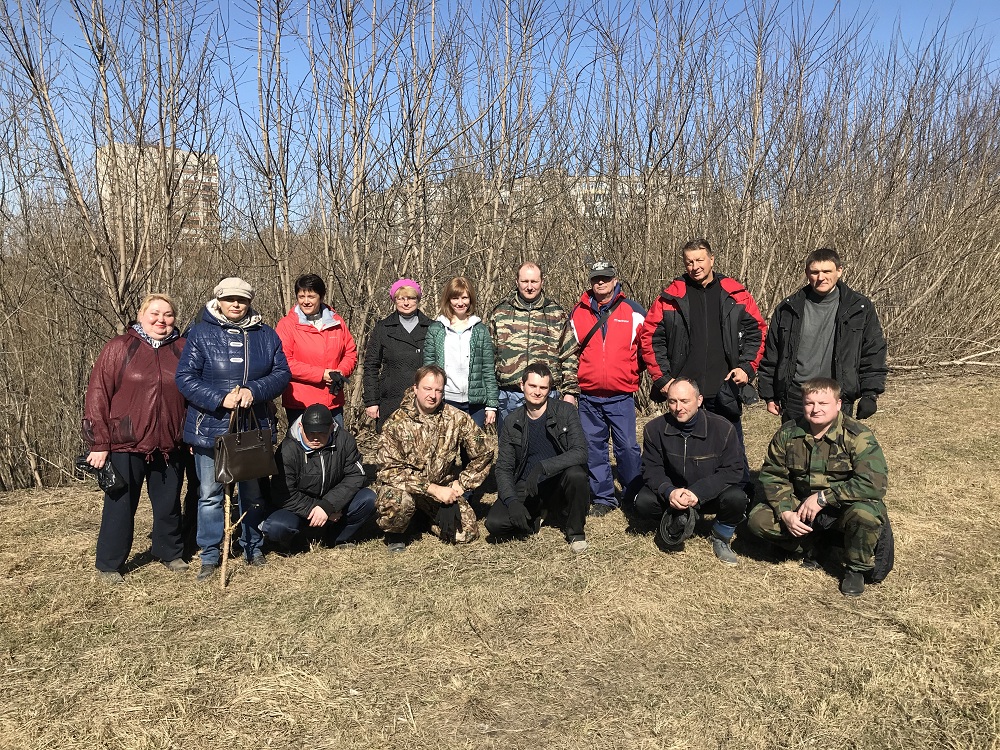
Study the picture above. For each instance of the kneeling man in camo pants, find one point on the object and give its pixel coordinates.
(420, 459)
(824, 471)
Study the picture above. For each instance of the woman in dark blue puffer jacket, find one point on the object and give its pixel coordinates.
(231, 359)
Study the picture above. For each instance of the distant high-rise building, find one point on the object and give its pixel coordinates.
(159, 193)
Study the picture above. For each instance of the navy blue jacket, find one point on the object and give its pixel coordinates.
(218, 358)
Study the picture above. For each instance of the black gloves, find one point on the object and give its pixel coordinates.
(520, 518)
(449, 519)
(866, 407)
(337, 381)
(531, 481)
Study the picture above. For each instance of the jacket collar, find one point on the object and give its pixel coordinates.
(700, 430)
(833, 434)
(213, 314)
(326, 319)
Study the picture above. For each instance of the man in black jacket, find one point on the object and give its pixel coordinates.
(320, 483)
(824, 330)
(692, 462)
(541, 467)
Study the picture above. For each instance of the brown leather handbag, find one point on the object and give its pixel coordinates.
(241, 456)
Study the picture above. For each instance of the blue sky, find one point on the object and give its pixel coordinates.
(919, 18)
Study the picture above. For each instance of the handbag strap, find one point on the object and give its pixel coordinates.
(601, 320)
(252, 422)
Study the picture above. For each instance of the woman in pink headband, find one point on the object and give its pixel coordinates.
(394, 352)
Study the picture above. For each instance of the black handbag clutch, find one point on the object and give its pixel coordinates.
(107, 478)
(241, 456)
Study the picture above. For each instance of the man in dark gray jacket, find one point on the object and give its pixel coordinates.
(692, 462)
(824, 330)
(320, 483)
(541, 468)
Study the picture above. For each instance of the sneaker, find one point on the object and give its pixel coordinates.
(175, 566)
(395, 543)
(853, 583)
(578, 545)
(111, 576)
(206, 572)
(597, 510)
(723, 551)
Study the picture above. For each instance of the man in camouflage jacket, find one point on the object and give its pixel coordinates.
(529, 327)
(420, 459)
(824, 471)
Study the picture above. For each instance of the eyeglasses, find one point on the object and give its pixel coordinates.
(407, 299)
(602, 280)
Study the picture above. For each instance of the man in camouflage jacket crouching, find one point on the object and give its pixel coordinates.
(420, 460)
(827, 472)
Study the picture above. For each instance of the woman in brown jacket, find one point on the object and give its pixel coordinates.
(134, 418)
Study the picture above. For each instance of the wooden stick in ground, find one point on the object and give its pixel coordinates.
(227, 537)
(229, 527)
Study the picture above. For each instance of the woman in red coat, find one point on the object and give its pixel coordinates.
(320, 350)
(134, 418)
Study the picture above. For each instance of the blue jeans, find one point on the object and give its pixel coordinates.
(211, 521)
(476, 411)
(283, 526)
(603, 417)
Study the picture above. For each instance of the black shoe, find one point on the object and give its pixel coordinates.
(206, 572)
(598, 510)
(258, 562)
(175, 566)
(853, 583)
(809, 561)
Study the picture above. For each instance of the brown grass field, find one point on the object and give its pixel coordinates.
(524, 645)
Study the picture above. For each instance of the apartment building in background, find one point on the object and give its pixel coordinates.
(158, 193)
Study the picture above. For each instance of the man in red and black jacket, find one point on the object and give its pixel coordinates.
(606, 325)
(705, 326)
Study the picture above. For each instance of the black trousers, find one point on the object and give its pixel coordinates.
(567, 492)
(162, 477)
(729, 507)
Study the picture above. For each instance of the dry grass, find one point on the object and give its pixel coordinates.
(524, 645)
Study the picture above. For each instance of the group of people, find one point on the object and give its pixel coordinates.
(557, 385)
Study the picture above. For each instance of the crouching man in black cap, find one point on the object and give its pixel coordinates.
(320, 483)
(692, 462)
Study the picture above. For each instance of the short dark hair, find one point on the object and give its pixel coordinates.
(815, 385)
(824, 255)
(423, 372)
(310, 282)
(685, 379)
(698, 244)
(537, 368)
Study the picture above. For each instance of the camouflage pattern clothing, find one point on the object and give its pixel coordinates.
(418, 450)
(526, 333)
(848, 464)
